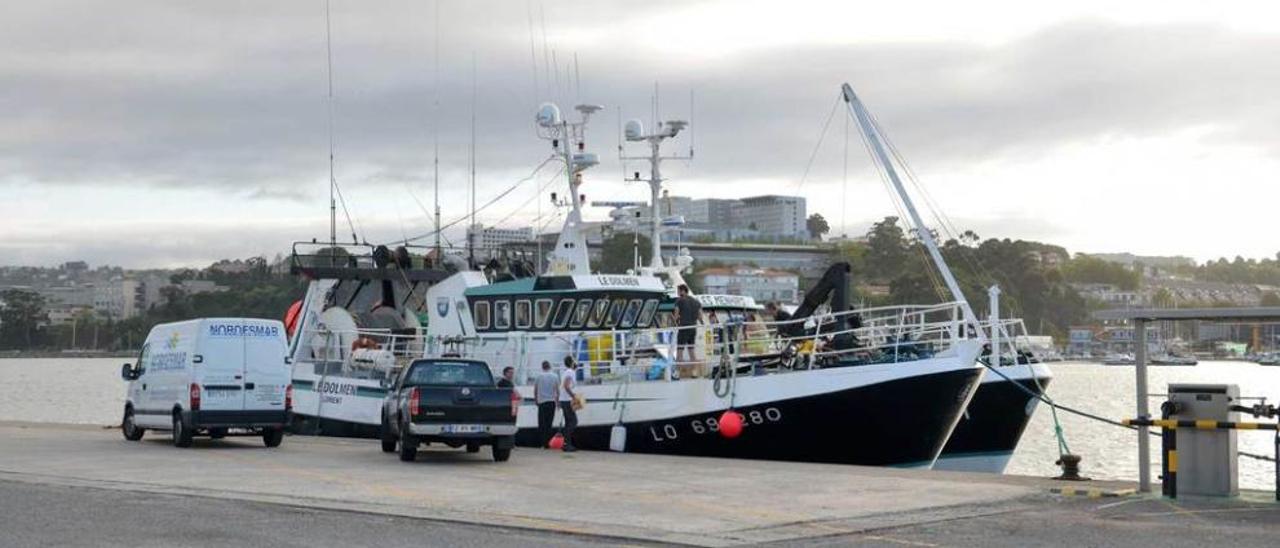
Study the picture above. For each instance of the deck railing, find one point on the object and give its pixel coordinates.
(877, 335)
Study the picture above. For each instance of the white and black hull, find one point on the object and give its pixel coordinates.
(989, 430)
(888, 415)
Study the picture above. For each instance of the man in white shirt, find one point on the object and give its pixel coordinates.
(568, 382)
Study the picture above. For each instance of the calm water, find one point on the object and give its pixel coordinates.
(89, 391)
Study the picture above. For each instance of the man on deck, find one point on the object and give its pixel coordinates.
(688, 311)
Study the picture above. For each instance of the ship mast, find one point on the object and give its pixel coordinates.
(665, 130)
(859, 114)
(568, 139)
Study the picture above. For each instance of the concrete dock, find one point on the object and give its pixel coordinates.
(601, 498)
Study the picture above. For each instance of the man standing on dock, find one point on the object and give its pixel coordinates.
(546, 390)
(688, 310)
(568, 381)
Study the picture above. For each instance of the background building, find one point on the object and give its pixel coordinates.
(772, 215)
(763, 285)
(487, 240)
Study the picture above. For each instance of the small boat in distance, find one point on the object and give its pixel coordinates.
(1118, 359)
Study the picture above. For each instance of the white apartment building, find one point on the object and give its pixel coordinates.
(116, 299)
(763, 285)
(772, 215)
(493, 238)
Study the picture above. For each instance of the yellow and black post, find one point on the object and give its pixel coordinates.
(1168, 453)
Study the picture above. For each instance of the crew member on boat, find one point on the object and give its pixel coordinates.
(687, 312)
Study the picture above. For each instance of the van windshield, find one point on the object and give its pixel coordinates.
(449, 374)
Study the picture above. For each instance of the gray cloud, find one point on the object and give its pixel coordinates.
(172, 95)
(178, 95)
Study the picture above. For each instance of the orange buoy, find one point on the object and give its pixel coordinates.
(557, 442)
(731, 424)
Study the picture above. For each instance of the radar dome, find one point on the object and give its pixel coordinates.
(548, 115)
(634, 130)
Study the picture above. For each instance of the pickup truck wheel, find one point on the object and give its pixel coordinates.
(408, 445)
(130, 428)
(388, 437)
(501, 454)
(181, 432)
(271, 437)
(473, 447)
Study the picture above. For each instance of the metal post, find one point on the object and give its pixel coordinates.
(1144, 440)
(993, 294)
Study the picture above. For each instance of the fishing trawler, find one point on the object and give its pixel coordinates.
(881, 386)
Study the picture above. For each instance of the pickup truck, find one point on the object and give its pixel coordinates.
(453, 401)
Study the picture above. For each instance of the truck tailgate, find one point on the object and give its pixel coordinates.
(464, 405)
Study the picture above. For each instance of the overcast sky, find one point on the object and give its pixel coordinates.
(165, 134)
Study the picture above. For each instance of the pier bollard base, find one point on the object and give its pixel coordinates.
(1070, 468)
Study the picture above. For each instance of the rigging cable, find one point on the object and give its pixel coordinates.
(495, 199)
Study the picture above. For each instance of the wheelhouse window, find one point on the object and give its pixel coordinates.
(524, 314)
(599, 313)
(480, 314)
(646, 313)
(632, 312)
(541, 312)
(666, 319)
(564, 311)
(615, 312)
(502, 315)
(581, 313)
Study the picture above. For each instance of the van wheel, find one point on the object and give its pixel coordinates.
(501, 454)
(408, 445)
(129, 427)
(388, 438)
(473, 448)
(271, 437)
(181, 432)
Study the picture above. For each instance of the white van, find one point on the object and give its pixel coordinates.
(212, 376)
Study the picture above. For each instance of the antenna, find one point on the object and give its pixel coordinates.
(577, 80)
(533, 55)
(333, 203)
(634, 131)
(692, 126)
(471, 251)
(435, 115)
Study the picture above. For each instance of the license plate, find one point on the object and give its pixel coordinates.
(462, 428)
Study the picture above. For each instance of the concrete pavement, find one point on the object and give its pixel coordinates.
(708, 502)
